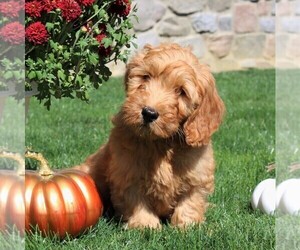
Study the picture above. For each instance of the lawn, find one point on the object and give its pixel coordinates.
(244, 145)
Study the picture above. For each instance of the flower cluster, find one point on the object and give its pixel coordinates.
(71, 10)
(11, 9)
(11, 30)
(70, 42)
(12, 33)
(36, 33)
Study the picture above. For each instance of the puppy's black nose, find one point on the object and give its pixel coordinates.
(149, 114)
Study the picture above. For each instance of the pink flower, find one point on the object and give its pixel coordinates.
(10, 9)
(36, 33)
(12, 33)
(33, 8)
(49, 5)
(86, 2)
(70, 9)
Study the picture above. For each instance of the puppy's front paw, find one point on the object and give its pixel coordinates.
(184, 218)
(143, 220)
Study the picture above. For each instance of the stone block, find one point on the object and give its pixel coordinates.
(263, 64)
(293, 48)
(204, 22)
(245, 17)
(175, 26)
(226, 64)
(148, 13)
(281, 45)
(270, 47)
(267, 24)
(186, 6)
(220, 44)
(196, 42)
(249, 46)
(264, 8)
(297, 8)
(283, 8)
(248, 63)
(254, 63)
(285, 64)
(219, 5)
(290, 24)
(148, 37)
(225, 22)
(117, 69)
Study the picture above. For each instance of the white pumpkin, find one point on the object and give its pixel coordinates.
(285, 197)
(288, 193)
(264, 196)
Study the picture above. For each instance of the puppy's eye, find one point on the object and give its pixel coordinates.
(181, 92)
(145, 77)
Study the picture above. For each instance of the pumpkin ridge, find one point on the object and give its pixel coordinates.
(56, 211)
(75, 204)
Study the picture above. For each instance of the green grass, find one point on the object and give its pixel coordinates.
(244, 145)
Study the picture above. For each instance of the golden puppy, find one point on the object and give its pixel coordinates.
(158, 162)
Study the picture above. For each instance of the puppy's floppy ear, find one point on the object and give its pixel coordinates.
(207, 117)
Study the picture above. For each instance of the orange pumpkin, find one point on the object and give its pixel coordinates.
(62, 202)
(12, 205)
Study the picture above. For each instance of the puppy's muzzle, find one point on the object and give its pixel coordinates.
(149, 114)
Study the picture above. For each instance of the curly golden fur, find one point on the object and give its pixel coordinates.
(158, 162)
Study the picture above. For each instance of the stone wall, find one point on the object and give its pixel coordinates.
(226, 34)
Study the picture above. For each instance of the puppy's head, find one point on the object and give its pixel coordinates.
(169, 93)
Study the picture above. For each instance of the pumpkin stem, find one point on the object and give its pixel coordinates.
(16, 157)
(294, 166)
(271, 167)
(44, 166)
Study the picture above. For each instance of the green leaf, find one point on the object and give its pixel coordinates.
(110, 29)
(102, 14)
(95, 7)
(59, 65)
(82, 43)
(107, 42)
(53, 45)
(51, 57)
(93, 58)
(8, 75)
(51, 76)
(79, 79)
(117, 36)
(77, 35)
(49, 26)
(39, 74)
(31, 75)
(66, 55)
(61, 75)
